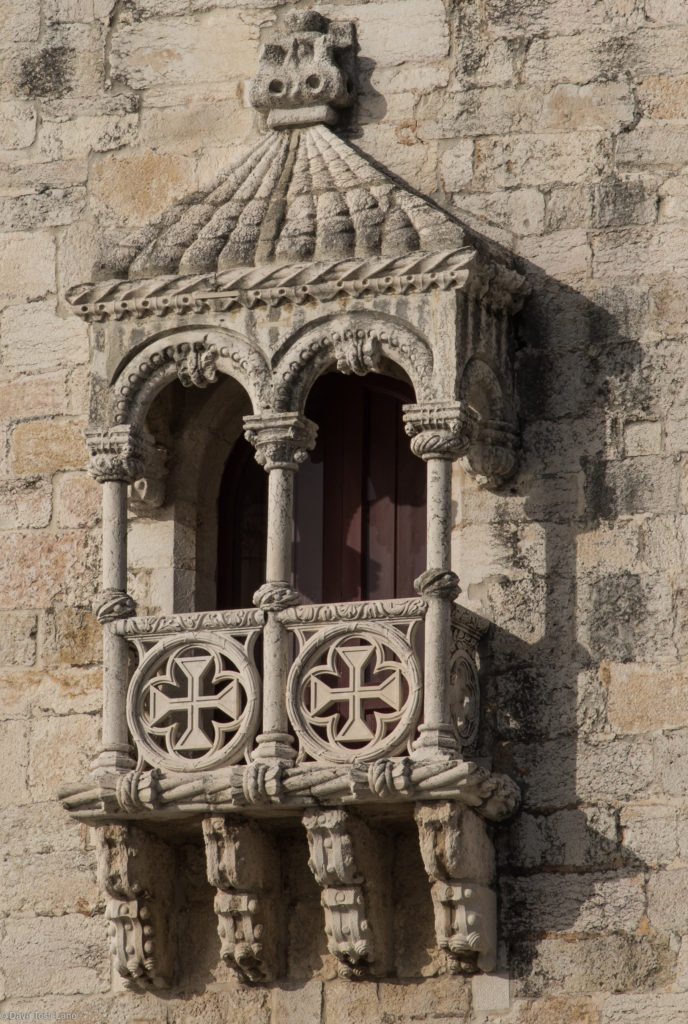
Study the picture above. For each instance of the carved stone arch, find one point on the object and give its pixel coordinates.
(194, 357)
(357, 342)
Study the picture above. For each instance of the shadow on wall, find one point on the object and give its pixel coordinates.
(573, 896)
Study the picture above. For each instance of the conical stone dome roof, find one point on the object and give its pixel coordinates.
(299, 195)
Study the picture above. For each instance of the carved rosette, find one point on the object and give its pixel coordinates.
(282, 440)
(118, 453)
(440, 430)
(136, 871)
(243, 864)
(195, 362)
(459, 859)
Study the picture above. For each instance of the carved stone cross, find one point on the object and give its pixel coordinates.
(323, 695)
(199, 670)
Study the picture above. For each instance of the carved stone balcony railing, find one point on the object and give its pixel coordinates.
(353, 692)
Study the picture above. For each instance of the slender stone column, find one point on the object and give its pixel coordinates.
(282, 441)
(116, 460)
(440, 433)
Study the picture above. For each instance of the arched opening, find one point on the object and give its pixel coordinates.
(359, 504)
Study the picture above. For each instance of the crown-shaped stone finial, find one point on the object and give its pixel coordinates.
(301, 79)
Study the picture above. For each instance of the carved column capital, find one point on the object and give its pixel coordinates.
(282, 440)
(439, 430)
(116, 454)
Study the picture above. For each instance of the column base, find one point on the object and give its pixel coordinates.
(275, 746)
(435, 743)
(117, 759)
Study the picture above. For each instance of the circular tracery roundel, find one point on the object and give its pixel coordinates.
(193, 704)
(354, 693)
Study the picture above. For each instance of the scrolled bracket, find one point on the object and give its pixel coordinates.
(459, 860)
(345, 863)
(243, 865)
(136, 871)
(440, 430)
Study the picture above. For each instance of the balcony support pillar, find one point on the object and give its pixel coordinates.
(282, 441)
(440, 433)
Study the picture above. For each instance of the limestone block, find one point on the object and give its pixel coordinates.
(239, 1005)
(562, 1009)
(78, 500)
(51, 207)
(658, 51)
(71, 636)
(555, 773)
(431, 998)
(200, 123)
(671, 757)
(39, 879)
(297, 1004)
(539, 159)
(666, 12)
(492, 110)
(217, 46)
(21, 22)
(27, 265)
(658, 1007)
(415, 164)
(344, 1003)
(62, 748)
(52, 956)
(18, 638)
(520, 210)
(34, 339)
(583, 838)
(28, 397)
(642, 437)
(44, 568)
(136, 187)
(573, 903)
(591, 964)
(61, 11)
(652, 145)
(640, 252)
(47, 446)
(646, 697)
(395, 31)
(456, 165)
(14, 756)
(602, 104)
(25, 504)
(663, 97)
(650, 832)
(71, 139)
(667, 908)
(57, 691)
(622, 201)
(562, 254)
(17, 124)
(567, 207)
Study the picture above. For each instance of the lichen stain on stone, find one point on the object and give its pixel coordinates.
(49, 73)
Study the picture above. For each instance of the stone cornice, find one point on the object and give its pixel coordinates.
(460, 269)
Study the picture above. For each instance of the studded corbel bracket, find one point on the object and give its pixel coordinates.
(346, 864)
(136, 871)
(459, 859)
(243, 864)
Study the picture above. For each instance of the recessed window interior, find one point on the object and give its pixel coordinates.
(359, 501)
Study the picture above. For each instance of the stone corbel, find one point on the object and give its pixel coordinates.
(243, 865)
(346, 865)
(136, 871)
(116, 454)
(148, 491)
(439, 430)
(493, 455)
(459, 859)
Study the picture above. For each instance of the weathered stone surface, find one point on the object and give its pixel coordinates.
(54, 741)
(47, 568)
(645, 698)
(33, 338)
(650, 833)
(18, 638)
(54, 956)
(27, 266)
(46, 446)
(78, 500)
(587, 903)
(660, 1008)
(26, 503)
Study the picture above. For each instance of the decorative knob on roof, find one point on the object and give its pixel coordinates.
(302, 77)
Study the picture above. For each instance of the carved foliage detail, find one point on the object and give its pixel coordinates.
(243, 865)
(333, 863)
(439, 430)
(459, 860)
(282, 440)
(136, 872)
(117, 454)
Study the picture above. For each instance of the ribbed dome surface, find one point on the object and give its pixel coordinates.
(299, 195)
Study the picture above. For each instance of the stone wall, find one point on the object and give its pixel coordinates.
(557, 129)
